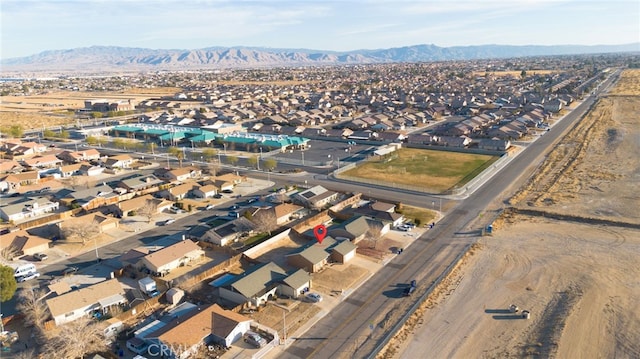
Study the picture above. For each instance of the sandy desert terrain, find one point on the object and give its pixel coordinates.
(578, 277)
(57, 107)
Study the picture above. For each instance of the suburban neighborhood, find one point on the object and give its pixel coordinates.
(249, 269)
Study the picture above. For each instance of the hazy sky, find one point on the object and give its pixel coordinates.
(32, 26)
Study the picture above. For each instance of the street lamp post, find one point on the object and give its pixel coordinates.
(95, 243)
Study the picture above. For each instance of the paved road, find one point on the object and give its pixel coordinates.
(358, 324)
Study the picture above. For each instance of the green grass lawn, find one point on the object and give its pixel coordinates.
(434, 171)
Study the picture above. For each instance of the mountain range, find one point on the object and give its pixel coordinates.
(113, 58)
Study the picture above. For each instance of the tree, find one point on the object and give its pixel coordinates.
(232, 160)
(252, 161)
(149, 209)
(64, 134)
(16, 131)
(119, 143)
(374, 233)
(209, 154)
(80, 231)
(32, 306)
(75, 340)
(8, 284)
(48, 133)
(270, 164)
(177, 153)
(96, 114)
(9, 252)
(91, 141)
(265, 220)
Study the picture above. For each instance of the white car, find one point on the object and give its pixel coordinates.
(168, 221)
(314, 297)
(27, 277)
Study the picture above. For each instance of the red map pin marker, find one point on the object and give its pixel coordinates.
(320, 231)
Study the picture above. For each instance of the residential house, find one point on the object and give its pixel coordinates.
(39, 162)
(312, 258)
(27, 149)
(296, 284)
(100, 297)
(26, 209)
(69, 170)
(315, 197)
(10, 166)
(119, 162)
(169, 258)
(227, 326)
(343, 251)
(493, 144)
(94, 220)
(13, 182)
(183, 333)
(22, 243)
(229, 232)
(358, 228)
(123, 208)
(179, 174)
(206, 191)
(255, 286)
(179, 192)
(141, 183)
(91, 198)
(87, 155)
(458, 141)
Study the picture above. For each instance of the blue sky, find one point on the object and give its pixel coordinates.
(31, 26)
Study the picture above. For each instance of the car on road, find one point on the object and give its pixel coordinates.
(234, 207)
(27, 277)
(40, 256)
(411, 288)
(254, 339)
(167, 222)
(314, 297)
(69, 271)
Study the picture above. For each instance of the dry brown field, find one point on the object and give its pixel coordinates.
(57, 107)
(578, 278)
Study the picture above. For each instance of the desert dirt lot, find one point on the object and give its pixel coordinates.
(57, 107)
(578, 279)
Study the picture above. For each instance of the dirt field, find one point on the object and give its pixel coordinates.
(579, 280)
(57, 107)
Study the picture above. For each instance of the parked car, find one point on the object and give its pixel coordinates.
(254, 339)
(314, 297)
(217, 195)
(227, 191)
(69, 270)
(234, 207)
(167, 222)
(209, 206)
(40, 256)
(27, 277)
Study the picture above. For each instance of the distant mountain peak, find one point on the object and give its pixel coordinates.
(115, 58)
